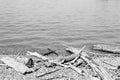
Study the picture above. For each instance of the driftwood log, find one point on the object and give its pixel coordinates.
(107, 48)
(18, 66)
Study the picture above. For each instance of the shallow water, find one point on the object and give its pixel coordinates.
(46, 23)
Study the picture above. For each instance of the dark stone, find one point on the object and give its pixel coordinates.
(30, 63)
(118, 67)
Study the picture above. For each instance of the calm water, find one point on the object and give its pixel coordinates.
(43, 23)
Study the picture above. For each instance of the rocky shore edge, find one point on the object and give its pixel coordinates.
(96, 62)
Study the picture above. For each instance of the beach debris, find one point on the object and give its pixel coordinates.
(74, 50)
(75, 68)
(18, 66)
(107, 48)
(74, 56)
(45, 58)
(19, 53)
(80, 61)
(111, 66)
(27, 61)
(101, 72)
(41, 75)
(30, 63)
(103, 75)
(37, 55)
(51, 51)
(22, 59)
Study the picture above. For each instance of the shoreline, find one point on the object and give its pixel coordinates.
(55, 72)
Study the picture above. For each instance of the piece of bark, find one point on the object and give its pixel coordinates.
(11, 62)
(107, 48)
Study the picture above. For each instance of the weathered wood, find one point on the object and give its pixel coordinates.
(69, 58)
(97, 68)
(78, 70)
(100, 70)
(107, 48)
(74, 56)
(11, 62)
(46, 59)
(75, 50)
(37, 55)
(79, 62)
(41, 75)
(51, 51)
(22, 59)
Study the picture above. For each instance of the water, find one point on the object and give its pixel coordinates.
(48, 23)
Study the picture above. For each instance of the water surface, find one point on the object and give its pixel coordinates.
(46, 23)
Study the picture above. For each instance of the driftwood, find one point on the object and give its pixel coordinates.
(74, 56)
(51, 51)
(75, 68)
(54, 61)
(41, 75)
(78, 54)
(22, 59)
(11, 62)
(75, 50)
(46, 59)
(37, 55)
(97, 68)
(107, 48)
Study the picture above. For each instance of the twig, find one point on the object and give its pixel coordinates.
(75, 68)
(17, 55)
(63, 65)
(52, 51)
(74, 57)
(2, 64)
(109, 64)
(79, 54)
(47, 73)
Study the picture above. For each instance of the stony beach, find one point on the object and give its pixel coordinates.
(46, 71)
